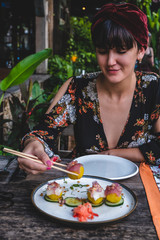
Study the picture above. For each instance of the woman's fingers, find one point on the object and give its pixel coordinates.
(35, 148)
(30, 166)
(41, 155)
(28, 170)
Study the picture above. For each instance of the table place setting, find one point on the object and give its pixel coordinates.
(26, 194)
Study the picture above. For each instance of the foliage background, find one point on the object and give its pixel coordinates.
(80, 45)
(153, 26)
(78, 57)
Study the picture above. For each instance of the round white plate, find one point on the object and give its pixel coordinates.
(65, 213)
(107, 166)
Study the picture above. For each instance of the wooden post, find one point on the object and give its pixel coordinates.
(42, 36)
(50, 24)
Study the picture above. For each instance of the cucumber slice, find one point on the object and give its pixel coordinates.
(110, 204)
(50, 200)
(73, 202)
(97, 205)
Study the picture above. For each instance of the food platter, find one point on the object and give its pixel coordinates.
(64, 213)
(107, 166)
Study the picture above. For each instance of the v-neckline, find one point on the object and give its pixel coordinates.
(127, 121)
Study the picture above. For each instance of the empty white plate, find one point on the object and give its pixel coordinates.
(107, 166)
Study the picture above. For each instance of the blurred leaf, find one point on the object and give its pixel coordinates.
(24, 69)
(37, 92)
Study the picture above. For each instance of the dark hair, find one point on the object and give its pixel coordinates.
(109, 35)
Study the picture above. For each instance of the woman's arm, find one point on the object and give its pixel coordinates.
(132, 154)
(41, 141)
(56, 118)
(59, 94)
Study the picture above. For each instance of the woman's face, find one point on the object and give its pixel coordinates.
(118, 65)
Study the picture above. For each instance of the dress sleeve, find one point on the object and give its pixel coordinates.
(52, 124)
(151, 149)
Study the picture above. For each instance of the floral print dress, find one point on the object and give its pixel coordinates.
(80, 106)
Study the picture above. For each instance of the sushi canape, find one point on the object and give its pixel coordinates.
(75, 167)
(53, 192)
(113, 195)
(95, 194)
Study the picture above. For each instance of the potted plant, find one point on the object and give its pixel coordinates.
(23, 110)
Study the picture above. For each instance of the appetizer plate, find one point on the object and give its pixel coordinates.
(78, 188)
(107, 166)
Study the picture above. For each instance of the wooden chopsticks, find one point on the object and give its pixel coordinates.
(35, 159)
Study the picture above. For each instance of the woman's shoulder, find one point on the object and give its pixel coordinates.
(149, 83)
(84, 79)
(148, 76)
(91, 75)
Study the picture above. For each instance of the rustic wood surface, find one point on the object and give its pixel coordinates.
(23, 221)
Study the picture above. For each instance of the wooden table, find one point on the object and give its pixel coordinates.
(23, 221)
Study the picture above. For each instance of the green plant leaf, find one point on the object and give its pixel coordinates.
(24, 69)
(37, 92)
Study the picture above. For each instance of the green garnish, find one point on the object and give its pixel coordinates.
(78, 185)
(64, 180)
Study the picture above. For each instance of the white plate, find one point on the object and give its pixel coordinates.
(107, 166)
(65, 213)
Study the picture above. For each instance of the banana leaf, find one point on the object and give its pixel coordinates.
(24, 69)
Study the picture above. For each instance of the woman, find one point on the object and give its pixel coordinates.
(115, 111)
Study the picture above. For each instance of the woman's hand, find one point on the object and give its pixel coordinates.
(132, 154)
(34, 148)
